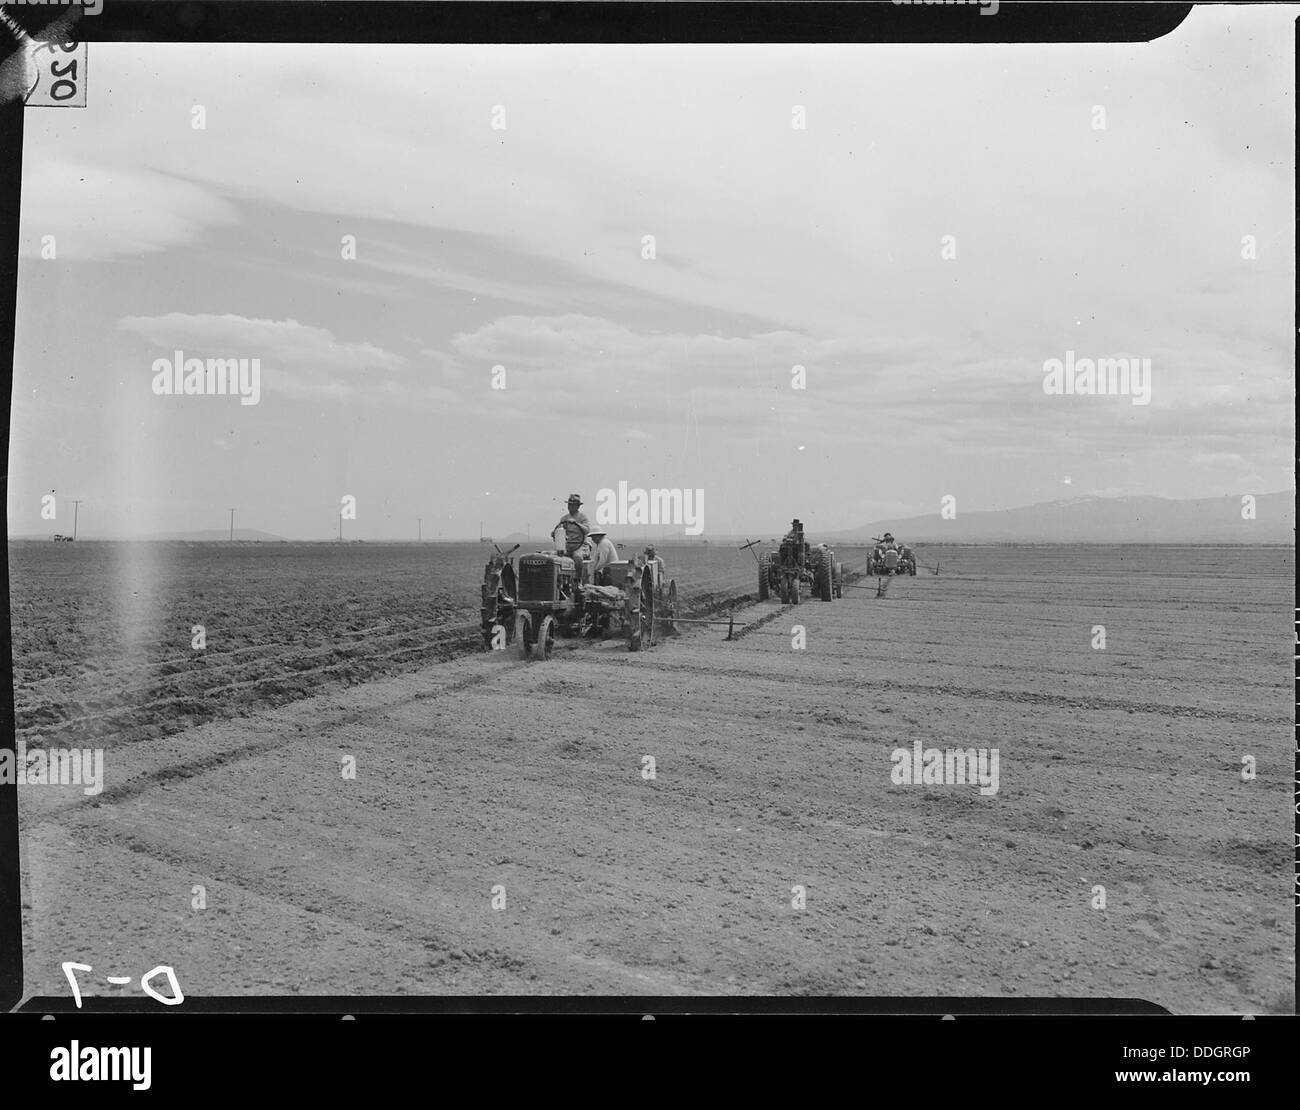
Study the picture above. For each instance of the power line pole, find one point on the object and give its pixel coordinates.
(75, 505)
(232, 525)
(419, 529)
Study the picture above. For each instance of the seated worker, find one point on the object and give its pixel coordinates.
(889, 541)
(601, 551)
(656, 564)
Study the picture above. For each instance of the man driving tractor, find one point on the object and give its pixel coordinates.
(575, 524)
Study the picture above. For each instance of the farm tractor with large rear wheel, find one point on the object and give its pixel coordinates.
(557, 595)
(889, 557)
(796, 566)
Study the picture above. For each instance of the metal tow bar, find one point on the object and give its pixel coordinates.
(730, 622)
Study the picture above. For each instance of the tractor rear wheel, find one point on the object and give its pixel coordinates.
(764, 576)
(822, 573)
(794, 591)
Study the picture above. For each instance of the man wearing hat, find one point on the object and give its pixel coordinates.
(575, 524)
(656, 563)
(603, 551)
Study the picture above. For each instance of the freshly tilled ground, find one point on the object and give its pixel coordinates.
(501, 834)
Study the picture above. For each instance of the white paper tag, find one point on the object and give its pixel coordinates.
(58, 72)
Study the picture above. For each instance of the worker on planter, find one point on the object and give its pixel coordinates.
(656, 564)
(600, 550)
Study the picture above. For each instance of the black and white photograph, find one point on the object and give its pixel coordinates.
(729, 520)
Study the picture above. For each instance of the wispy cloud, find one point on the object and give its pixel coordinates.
(297, 359)
(102, 212)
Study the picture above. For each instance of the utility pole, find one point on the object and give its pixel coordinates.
(340, 526)
(75, 504)
(232, 525)
(419, 529)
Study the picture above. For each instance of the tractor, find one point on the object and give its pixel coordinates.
(796, 564)
(891, 558)
(556, 596)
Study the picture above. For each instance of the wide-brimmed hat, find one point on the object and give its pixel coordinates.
(575, 497)
(598, 531)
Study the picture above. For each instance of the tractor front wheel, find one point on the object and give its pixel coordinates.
(545, 639)
(524, 634)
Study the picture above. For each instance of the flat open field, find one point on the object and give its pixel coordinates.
(102, 631)
(485, 776)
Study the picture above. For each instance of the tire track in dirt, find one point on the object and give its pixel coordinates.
(754, 626)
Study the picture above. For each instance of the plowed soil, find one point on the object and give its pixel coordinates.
(486, 779)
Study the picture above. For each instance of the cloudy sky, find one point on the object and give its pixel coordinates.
(774, 247)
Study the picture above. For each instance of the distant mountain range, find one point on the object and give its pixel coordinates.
(1102, 520)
